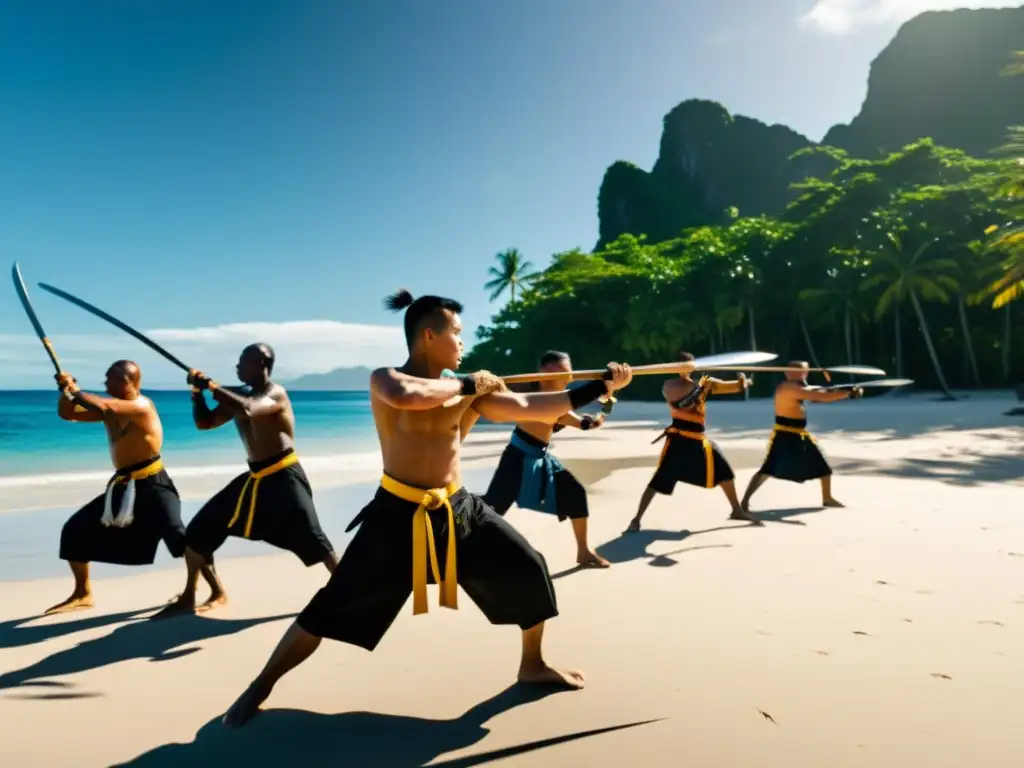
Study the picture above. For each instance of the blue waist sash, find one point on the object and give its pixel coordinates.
(537, 486)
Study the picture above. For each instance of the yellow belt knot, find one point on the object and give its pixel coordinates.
(423, 547)
(254, 478)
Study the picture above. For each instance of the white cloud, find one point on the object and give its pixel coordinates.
(305, 346)
(839, 17)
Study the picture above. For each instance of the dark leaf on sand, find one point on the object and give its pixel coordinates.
(766, 716)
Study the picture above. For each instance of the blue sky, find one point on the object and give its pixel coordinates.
(199, 167)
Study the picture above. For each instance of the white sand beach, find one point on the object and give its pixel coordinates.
(888, 633)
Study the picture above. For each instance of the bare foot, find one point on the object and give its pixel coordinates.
(176, 608)
(634, 526)
(245, 707)
(212, 602)
(746, 514)
(831, 502)
(542, 674)
(591, 559)
(73, 603)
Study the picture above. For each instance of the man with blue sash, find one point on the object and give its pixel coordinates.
(530, 476)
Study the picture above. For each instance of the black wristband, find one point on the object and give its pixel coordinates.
(587, 393)
(586, 422)
(468, 385)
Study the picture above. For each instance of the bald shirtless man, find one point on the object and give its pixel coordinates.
(531, 477)
(689, 456)
(422, 416)
(123, 525)
(793, 454)
(273, 501)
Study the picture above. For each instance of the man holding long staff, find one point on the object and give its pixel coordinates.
(283, 514)
(421, 417)
(140, 505)
(689, 455)
(793, 453)
(273, 501)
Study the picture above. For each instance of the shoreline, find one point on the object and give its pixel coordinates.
(860, 438)
(741, 423)
(708, 642)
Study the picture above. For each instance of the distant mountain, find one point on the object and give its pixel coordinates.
(339, 380)
(937, 78)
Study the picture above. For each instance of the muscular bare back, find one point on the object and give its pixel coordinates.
(266, 435)
(134, 439)
(421, 447)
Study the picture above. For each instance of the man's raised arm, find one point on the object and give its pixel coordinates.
(549, 407)
(203, 417)
(100, 407)
(737, 385)
(411, 393)
(230, 403)
(819, 395)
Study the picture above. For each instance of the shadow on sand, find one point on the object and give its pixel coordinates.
(288, 736)
(156, 641)
(14, 635)
(633, 546)
(966, 470)
(784, 515)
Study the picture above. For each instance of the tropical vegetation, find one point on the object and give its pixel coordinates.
(910, 262)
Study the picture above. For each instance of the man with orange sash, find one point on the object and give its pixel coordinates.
(689, 456)
(273, 501)
(422, 416)
(140, 506)
(793, 453)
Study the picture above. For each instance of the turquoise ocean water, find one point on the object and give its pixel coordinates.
(37, 447)
(34, 441)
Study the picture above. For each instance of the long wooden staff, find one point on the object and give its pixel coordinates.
(735, 359)
(26, 303)
(114, 321)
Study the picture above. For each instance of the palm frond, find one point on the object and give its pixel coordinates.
(1008, 294)
(890, 296)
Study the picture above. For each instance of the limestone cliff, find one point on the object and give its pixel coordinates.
(709, 161)
(938, 78)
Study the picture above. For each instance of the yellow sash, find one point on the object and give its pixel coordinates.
(802, 431)
(423, 542)
(147, 471)
(254, 478)
(709, 460)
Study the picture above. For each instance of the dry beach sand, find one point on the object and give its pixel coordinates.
(889, 633)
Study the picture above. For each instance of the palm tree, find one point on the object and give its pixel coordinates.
(512, 272)
(972, 270)
(1010, 242)
(1010, 286)
(841, 294)
(911, 276)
